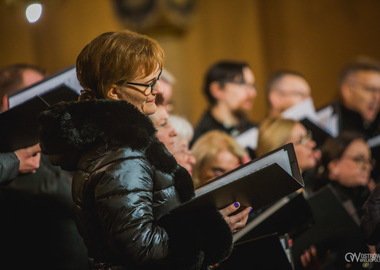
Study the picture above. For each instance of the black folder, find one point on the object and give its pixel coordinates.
(66, 78)
(290, 215)
(335, 228)
(374, 144)
(320, 135)
(19, 127)
(264, 253)
(257, 183)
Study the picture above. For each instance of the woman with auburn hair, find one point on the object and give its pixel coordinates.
(125, 181)
(276, 132)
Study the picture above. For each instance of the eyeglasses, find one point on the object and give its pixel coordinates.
(243, 84)
(361, 161)
(304, 139)
(367, 88)
(152, 85)
(296, 94)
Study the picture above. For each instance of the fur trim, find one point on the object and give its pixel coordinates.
(184, 184)
(78, 125)
(67, 129)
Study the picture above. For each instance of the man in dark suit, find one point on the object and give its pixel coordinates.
(359, 105)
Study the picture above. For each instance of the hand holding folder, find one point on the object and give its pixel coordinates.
(257, 183)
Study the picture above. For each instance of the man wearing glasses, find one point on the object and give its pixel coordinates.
(359, 105)
(286, 88)
(230, 90)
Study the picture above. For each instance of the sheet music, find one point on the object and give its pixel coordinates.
(328, 120)
(374, 141)
(68, 78)
(304, 109)
(280, 157)
(248, 138)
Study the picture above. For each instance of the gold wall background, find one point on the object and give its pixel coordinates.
(315, 37)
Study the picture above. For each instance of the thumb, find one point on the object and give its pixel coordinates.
(230, 209)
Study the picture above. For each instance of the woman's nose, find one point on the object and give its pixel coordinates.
(158, 89)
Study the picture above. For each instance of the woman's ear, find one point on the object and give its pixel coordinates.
(114, 93)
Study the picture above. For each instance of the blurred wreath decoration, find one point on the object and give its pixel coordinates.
(150, 15)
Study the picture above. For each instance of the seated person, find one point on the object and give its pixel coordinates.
(216, 152)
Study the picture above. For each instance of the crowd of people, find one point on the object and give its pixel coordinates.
(98, 190)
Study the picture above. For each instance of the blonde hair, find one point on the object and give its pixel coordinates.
(116, 57)
(273, 133)
(206, 148)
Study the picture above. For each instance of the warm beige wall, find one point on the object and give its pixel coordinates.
(57, 38)
(317, 38)
(313, 37)
(222, 29)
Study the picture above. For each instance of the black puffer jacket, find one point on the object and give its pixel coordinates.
(125, 183)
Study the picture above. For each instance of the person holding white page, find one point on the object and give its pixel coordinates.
(125, 180)
(358, 106)
(285, 88)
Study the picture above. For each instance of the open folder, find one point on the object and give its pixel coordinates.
(19, 126)
(290, 215)
(257, 183)
(19, 123)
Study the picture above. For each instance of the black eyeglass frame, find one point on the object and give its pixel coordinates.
(152, 85)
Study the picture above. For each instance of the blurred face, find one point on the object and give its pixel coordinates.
(287, 92)
(304, 146)
(238, 97)
(142, 97)
(224, 161)
(167, 89)
(31, 77)
(361, 93)
(183, 155)
(165, 131)
(354, 167)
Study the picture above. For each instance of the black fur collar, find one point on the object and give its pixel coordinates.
(67, 130)
(76, 126)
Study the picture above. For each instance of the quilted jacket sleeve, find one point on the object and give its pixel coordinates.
(124, 201)
(9, 165)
